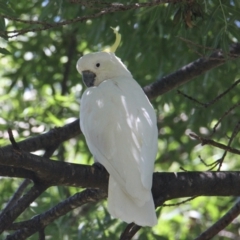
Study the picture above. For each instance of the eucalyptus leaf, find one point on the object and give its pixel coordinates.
(4, 51)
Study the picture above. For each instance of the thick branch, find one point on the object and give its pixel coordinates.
(190, 71)
(187, 184)
(52, 138)
(64, 173)
(166, 185)
(8, 171)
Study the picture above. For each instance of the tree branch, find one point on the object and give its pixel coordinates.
(207, 141)
(104, 10)
(190, 71)
(69, 174)
(213, 101)
(8, 171)
(16, 195)
(6, 218)
(187, 184)
(52, 138)
(223, 116)
(27, 174)
(64, 173)
(27, 228)
(166, 186)
(221, 223)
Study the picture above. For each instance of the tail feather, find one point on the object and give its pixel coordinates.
(121, 205)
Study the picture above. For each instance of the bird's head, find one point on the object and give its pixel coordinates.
(100, 66)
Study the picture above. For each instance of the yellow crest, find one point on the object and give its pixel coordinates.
(114, 47)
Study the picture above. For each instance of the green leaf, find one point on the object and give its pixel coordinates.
(225, 43)
(49, 11)
(54, 119)
(4, 51)
(235, 32)
(3, 28)
(2, 24)
(6, 10)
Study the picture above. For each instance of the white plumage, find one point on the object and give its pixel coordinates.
(120, 128)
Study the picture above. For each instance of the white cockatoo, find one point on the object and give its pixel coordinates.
(119, 124)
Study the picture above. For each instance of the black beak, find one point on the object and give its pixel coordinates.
(88, 78)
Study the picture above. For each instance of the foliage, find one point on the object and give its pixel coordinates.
(40, 89)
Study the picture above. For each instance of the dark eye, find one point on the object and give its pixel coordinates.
(98, 65)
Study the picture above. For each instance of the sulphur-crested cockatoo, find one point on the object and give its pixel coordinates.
(119, 125)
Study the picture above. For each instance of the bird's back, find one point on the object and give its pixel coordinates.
(119, 124)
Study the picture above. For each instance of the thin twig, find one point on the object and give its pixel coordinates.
(12, 140)
(224, 115)
(234, 134)
(182, 168)
(191, 98)
(27, 21)
(110, 8)
(214, 165)
(206, 105)
(206, 164)
(195, 44)
(220, 161)
(206, 141)
(224, 93)
(179, 203)
(189, 71)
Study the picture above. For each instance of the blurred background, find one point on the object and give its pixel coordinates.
(40, 89)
